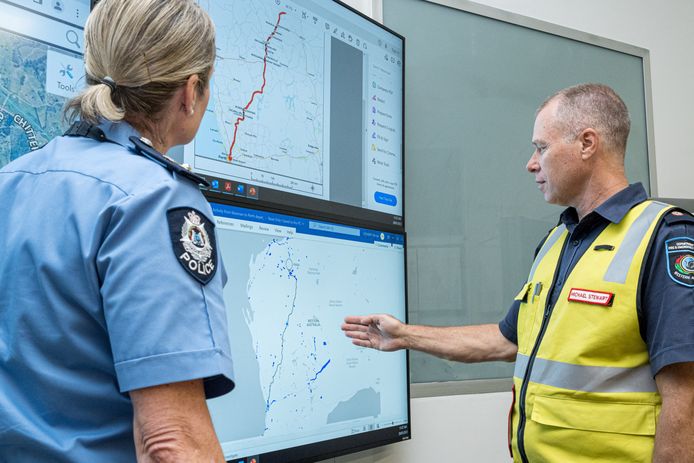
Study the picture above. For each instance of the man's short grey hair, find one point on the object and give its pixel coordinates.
(595, 106)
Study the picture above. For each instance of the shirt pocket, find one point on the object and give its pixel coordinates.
(605, 417)
(523, 294)
(527, 315)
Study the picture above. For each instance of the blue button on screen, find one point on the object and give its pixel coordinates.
(385, 198)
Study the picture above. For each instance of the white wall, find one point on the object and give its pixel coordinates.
(368, 7)
(473, 427)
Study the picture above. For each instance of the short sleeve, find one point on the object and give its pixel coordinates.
(165, 324)
(508, 325)
(667, 296)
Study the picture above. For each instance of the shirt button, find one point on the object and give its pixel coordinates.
(559, 282)
(575, 242)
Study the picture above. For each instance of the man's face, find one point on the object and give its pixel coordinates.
(555, 162)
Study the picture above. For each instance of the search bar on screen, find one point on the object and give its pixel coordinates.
(328, 227)
(41, 28)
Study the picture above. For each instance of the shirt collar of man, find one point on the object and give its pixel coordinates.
(613, 210)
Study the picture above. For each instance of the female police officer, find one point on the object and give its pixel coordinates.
(112, 325)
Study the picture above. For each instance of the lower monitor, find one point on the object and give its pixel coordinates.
(304, 391)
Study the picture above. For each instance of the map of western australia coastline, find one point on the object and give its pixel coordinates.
(296, 343)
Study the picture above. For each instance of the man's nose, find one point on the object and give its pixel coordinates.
(533, 165)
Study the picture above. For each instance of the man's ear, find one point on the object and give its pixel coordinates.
(190, 94)
(589, 143)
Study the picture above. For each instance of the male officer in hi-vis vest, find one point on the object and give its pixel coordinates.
(602, 331)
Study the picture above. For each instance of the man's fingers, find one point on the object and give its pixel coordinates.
(358, 320)
(357, 335)
(361, 343)
(353, 327)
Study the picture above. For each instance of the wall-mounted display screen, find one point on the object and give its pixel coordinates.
(304, 391)
(40, 68)
(306, 109)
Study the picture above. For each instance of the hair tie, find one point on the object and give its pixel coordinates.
(109, 82)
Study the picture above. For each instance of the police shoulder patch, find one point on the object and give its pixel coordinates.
(680, 260)
(193, 241)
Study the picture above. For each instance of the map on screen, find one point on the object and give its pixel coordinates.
(306, 98)
(272, 130)
(299, 379)
(40, 69)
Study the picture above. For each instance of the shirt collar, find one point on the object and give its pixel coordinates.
(613, 210)
(119, 132)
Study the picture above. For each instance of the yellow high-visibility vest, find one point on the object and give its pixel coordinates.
(583, 387)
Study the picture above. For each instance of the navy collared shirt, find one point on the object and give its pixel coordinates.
(666, 316)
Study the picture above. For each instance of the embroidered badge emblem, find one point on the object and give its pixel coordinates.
(193, 245)
(680, 260)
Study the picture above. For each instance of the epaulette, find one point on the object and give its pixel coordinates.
(144, 147)
(678, 215)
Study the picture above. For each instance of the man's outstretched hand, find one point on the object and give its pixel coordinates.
(381, 332)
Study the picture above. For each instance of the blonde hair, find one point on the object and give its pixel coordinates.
(138, 53)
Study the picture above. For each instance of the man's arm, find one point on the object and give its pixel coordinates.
(477, 343)
(172, 424)
(673, 437)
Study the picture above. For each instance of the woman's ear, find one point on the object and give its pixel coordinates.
(190, 94)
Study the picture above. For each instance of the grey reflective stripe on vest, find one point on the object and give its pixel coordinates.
(587, 378)
(619, 267)
(549, 242)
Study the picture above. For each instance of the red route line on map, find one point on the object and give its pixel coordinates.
(257, 92)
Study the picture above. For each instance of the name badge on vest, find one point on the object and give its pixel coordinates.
(591, 297)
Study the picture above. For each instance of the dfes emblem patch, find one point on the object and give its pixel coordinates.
(193, 240)
(680, 260)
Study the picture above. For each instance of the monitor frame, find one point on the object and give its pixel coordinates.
(346, 445)
(280, 200)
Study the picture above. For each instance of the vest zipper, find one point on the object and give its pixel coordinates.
(526, 377)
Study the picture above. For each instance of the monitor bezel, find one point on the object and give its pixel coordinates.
(336, 210)
(363, 441)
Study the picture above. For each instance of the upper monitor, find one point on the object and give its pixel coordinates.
(306, 109)
(40, 68)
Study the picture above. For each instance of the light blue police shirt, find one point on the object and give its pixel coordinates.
(93, 301)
